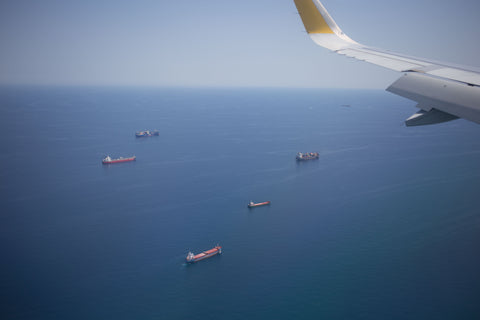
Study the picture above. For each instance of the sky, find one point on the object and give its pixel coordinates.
(256, 43)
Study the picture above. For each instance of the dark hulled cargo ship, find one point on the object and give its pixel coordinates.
(301, 156)
(146, 133)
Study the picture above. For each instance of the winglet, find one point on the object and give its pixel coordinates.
(312, 18)
(320, 26)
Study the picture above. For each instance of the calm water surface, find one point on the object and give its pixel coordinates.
(385, 225)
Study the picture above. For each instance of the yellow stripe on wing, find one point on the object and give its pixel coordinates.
(311, 17)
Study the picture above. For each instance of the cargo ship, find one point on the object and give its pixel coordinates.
(191, 258)
(253, 204)
(146, 133)
(108, 160)
(307, 156)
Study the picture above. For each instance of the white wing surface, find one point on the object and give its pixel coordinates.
(443, 91)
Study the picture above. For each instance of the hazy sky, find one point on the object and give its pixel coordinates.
(221, 42)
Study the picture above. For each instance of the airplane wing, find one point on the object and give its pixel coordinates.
(443, 91)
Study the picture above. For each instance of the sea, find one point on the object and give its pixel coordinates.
(384, 225)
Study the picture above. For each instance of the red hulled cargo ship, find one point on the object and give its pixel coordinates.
(191, 258)
(253, 204)
(108, 160)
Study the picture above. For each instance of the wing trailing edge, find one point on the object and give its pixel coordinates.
(443, 91)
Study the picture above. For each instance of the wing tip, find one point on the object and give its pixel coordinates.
(312, 17)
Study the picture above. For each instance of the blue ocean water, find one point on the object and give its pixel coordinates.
(385, 225)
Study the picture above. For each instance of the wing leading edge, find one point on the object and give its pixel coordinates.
(443, 91)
